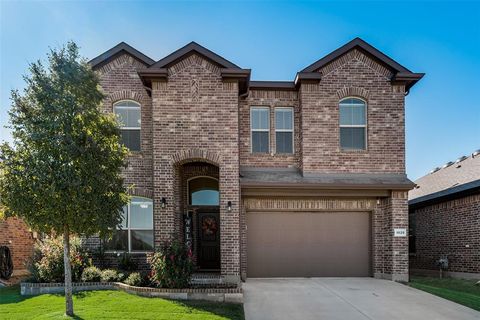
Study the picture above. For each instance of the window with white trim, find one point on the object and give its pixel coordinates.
(284, 130)
(353, 124)
(135, 233)
(260, 129)
(129, 116)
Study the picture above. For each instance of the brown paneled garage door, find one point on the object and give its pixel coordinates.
(308, 244)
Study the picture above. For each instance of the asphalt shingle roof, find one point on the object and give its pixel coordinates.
(456, 176)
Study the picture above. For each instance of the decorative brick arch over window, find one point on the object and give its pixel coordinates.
(140, 192)
(116, 96)
(353, 92)
(193, 155)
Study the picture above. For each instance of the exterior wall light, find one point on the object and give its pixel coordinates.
(229, 206)
(164, 202)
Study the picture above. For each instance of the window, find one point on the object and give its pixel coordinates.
(353, 124)
(284, 130)
(203, 191)
(260, 126)
(135, 233)
(129, 115)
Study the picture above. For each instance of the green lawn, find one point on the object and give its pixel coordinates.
(460, 291)
(110, 305)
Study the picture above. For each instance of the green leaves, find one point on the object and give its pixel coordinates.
(64, 168)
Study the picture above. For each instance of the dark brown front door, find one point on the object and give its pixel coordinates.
(209, 240)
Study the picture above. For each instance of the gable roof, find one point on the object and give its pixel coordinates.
(189, 49)
(114, 52)
(401, 74)
(363, 46)
(454, 177)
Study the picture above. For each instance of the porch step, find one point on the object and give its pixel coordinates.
(211, 280)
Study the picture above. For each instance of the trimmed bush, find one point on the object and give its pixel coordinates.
(127, 263)
(92, 274)
(110, 275)
(134, 279)
(47, 263)
(172, 267)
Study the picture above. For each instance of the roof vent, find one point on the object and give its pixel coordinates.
(435, 170)
(448, 164)
(461, 159)
(476, 153)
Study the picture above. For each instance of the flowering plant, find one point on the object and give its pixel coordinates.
(172, 266)
(47, 264)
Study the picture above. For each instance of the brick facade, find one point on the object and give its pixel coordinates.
(194, 120)
(353, 75)
(16, 235)
(448, 229)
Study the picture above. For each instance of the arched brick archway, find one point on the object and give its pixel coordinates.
(196, 155)
(188, 164)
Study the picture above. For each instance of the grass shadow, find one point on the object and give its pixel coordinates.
(232, 311)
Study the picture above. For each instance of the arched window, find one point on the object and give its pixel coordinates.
(203, 191)
(353, 124)
(129, 115)
(135, 233)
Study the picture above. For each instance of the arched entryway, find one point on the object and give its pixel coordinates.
(201, 211)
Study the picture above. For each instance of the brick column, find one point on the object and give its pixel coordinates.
(390, 252)
(163, 171)
(399, 219)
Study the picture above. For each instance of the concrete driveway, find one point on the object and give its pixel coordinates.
(345, 299)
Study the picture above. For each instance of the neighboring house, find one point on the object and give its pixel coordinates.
(444, 210)
(264, 178)
(16, 235)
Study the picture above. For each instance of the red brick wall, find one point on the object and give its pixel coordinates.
(446, 229)
(15, 234)
(354, 74)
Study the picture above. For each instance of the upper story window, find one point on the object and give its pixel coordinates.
(129, 116)
(135, 233)
(203, 191)
(353, 124)
(260, 127)
(284, 130)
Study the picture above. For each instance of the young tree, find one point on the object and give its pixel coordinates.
(63, 173)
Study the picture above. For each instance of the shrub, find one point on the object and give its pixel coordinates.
(126, 262)
(91, 274)
(110, 275)
(47, 264)
(134, 279)
(172, 267)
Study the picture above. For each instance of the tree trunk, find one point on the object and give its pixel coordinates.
(68, 273)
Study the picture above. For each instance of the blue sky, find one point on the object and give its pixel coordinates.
(275, 40)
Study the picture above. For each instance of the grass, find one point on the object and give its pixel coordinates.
(111, 305)
(464, 292)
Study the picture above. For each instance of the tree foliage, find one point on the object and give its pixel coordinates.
(63, 173)
(64, 168)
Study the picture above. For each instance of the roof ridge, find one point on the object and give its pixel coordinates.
(187, 49)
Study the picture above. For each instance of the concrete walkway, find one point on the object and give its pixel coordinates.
(345, 299)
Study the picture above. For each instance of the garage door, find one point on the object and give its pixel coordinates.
(308, 244)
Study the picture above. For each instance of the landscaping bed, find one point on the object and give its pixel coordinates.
(108, 304)
(461, 291)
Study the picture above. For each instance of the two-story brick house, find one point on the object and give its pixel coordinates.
(265, 178)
